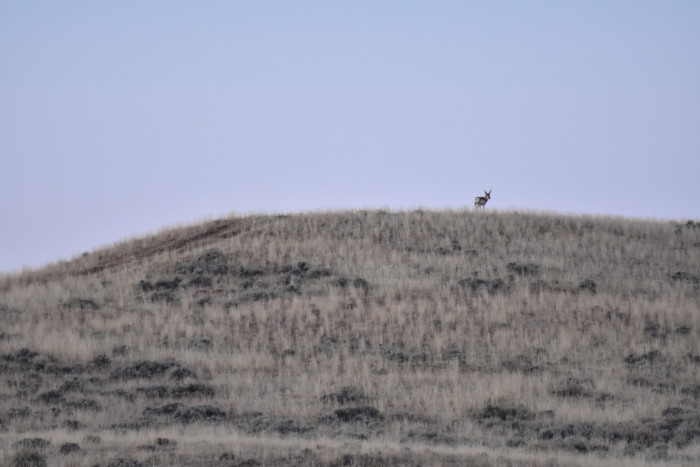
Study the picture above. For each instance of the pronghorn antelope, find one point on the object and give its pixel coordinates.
(480, 201)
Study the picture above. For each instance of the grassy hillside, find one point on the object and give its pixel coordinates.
(361, 338)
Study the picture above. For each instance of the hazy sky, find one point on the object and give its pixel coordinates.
(119, 118)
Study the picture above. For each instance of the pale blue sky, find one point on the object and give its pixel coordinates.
(119, 118)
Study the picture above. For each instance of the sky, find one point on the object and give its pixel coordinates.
(118, 119)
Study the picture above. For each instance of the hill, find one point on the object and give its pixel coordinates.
(361, 338)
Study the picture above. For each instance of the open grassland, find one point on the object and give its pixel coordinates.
(360, 338)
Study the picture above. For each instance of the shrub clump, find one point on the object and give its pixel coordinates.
(588, 285)
(29, 459)
(145, 370)
(32, 443)
(68, 448)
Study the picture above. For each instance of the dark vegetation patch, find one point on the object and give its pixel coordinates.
(692, 225)
(685, 276)
(199, 413)
(119, 351)
(344, 283)
(210, 263)
(360, 414)
(397, 352)
(33, 365)
(676, 427)
(32, 443)
(571, 390)
(261, 423)
(504, 414)
(661, 386)
(492, 286)
(54, 396)
(162, 291)
(692, 390)
(72, 425)
(165, 296)
(18, 413)
(181, 373)
(148, 370)
(159, 444)
(648, 358)
(161, 285)
(618, 316)
(166, 442)
(201, 282)
(253, 282)
(558, 286)
(69, 448)
(251, 271)
(256, 296)
(89, 405)
(29, 459)
(588, 285)
(195, 390)
(100, 362)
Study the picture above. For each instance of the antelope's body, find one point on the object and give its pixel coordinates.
(480, 201)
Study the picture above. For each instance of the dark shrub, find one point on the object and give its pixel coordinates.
(32, 443)
(29, 459)
(145, 369)
(684, 276)
(588, 285)
(100, 361)
(505, 413)
(647, 358)
(173, 284)
(68, 448)
(165, 296)
(199, 413)
(364, 414)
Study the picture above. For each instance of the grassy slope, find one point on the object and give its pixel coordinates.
(358, 337)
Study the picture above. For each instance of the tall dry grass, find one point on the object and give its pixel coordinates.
(434, 317)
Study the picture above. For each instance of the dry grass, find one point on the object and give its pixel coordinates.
(461, 338)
